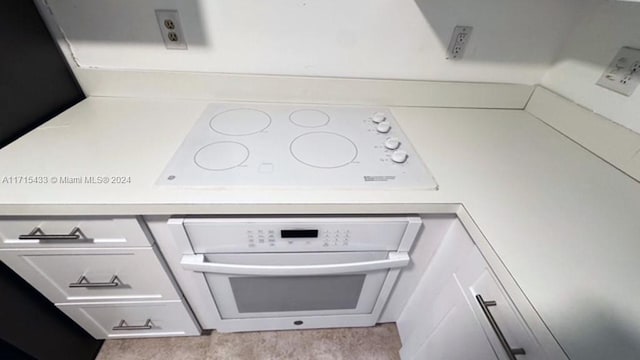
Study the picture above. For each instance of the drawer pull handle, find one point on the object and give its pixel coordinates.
(148, 325)
(83, 282)
(76, 235)
(484, 305)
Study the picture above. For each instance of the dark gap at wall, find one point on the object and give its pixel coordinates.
(35, 80)
(8, 351)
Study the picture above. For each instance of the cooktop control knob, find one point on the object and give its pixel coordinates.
(378, 117)
(399, 156)
(383, 128)
(392, 143)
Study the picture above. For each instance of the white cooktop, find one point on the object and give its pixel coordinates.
(297, 146)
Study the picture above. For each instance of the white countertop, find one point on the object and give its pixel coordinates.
(137, 138)
(564, 222)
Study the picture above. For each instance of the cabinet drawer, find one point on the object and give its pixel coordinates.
(65, 275)
(18, 232)
(133, 319)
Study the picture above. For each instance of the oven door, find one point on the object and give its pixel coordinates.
(294, 285)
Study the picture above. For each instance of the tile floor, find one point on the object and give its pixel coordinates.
(375, 343)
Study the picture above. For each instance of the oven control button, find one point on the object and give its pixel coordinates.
(392, 143)
(378, 117)
(399, 156)
(383, 128)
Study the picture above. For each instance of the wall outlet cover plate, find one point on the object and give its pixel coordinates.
(458, 43)
(623, 73)
(171, 29)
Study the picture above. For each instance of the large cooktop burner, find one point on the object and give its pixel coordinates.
(323, 150)
(209, 157)
(296, 146)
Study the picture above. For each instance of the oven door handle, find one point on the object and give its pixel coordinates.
(198, 263)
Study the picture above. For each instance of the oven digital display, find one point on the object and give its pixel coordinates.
(298, 233)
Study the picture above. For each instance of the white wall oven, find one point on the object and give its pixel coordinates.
(267, 273)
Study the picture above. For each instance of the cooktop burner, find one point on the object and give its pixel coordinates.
(309, 118)
(323, 150)
(296, 146)
(208, 157)
(240, 122)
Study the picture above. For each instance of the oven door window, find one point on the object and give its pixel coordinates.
(253, 296)
(296, 293)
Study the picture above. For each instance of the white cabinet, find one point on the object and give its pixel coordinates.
(105, 273)
(452, 331)
(444, 319)
(28, 232)
(65, 275)
(480, 284)
(132, 319)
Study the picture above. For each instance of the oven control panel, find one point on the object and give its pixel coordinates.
(226, 235)
(298, 237)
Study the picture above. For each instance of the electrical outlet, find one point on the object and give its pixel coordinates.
(623, 73)
(459, 40)
(171, 29)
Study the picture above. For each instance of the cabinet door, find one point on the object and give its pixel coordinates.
(423, 311)
(455, 333)
(35, 232)
(65, 275)
(133, 319)
(444, 320)
(477, 279)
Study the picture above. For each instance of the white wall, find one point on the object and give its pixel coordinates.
(591, 46)
(513, 41)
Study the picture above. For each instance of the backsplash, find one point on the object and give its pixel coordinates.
(358, 38)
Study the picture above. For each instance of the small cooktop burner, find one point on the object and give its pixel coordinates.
(309, 118)
(296, 146)
(240, 122)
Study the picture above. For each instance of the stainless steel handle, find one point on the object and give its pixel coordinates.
(75, 235)
(511, 352)
(83, 282)
(148, 325)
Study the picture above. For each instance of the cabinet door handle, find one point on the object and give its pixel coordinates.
(148, 325)
(76, 235)
(484, 305)
(83, 282)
